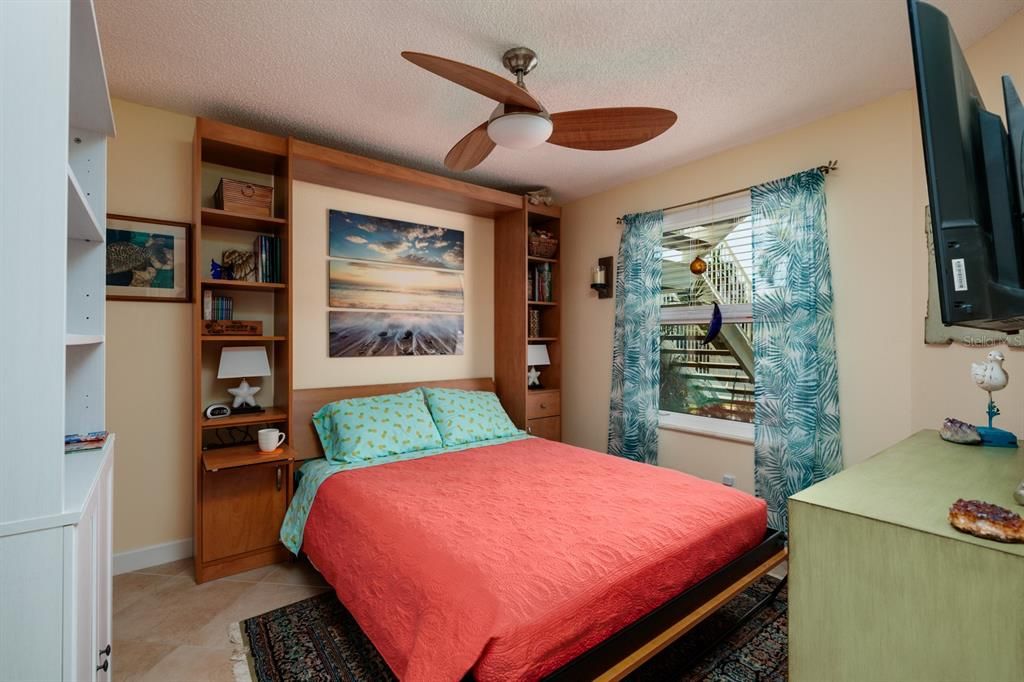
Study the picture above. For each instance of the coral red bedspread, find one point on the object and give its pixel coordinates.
(511, 560)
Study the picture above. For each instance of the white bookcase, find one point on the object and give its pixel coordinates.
(55, 509)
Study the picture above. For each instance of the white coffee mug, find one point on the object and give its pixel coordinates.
(270, 439)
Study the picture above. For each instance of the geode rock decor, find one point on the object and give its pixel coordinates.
(986, 520)
(956, 431)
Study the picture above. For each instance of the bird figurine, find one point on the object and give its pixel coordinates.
(990, 376)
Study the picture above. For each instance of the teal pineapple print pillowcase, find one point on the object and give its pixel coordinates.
(359, 430)
(468, 416)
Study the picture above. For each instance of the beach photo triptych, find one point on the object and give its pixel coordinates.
(394, 287)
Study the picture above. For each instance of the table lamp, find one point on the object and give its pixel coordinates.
(238, 363)
(536, 354)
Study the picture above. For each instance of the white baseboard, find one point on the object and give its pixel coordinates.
(154, 555)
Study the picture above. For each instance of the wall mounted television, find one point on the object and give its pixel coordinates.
(975, 169)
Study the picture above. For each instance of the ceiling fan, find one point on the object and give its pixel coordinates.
(520, 121)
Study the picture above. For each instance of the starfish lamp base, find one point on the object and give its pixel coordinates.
(533, 379)
(245, 400)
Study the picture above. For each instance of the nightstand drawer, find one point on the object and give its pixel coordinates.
(543, 404)
(545, 427)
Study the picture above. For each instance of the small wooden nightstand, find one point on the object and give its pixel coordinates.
(543, 413)
(245, 496)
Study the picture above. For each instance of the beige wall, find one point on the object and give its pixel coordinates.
(890, 383)
(313, 368)
(149, 348)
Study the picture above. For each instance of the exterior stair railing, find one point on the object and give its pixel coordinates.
(726, 282)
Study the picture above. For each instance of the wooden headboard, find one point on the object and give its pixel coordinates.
(306, 402)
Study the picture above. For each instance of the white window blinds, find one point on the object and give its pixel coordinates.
(718, 232)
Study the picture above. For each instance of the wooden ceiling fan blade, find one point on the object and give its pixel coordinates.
(484, 82)
(471, 150)
(611, 128)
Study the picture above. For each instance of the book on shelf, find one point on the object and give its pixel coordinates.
(221, 308)
(277, 260)
(540, 283)
(259, 259)
(267, 252)
(217, 307)
(77, 442)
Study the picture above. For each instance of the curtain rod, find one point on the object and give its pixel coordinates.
(824, 168)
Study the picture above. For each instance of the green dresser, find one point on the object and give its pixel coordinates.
(883, 588)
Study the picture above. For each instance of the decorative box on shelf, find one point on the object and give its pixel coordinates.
(244, 197)
(232, 328)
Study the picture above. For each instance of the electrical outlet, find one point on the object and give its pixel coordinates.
(729, 480)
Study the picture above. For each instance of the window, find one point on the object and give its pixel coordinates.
(713, 381)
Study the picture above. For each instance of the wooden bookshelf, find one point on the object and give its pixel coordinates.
(513, 264)
(236, 481)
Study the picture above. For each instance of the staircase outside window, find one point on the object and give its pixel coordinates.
(708, 387)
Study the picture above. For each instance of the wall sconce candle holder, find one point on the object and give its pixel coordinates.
(602, 278)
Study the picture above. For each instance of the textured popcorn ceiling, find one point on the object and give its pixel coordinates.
(330, 71)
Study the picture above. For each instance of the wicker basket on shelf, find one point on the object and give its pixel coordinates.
(543, 244)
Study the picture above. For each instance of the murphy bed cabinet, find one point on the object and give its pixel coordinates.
(55, 509)
(235, 486)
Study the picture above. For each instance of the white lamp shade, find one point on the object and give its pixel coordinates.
(537, 354)
(240, 362)
(519, 130)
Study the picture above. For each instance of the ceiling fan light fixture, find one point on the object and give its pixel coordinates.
(520, 130)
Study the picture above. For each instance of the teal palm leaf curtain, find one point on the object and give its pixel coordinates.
(636, 363)
(796, 411)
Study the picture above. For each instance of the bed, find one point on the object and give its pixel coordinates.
(522, 559)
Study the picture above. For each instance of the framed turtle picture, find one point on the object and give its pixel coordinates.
(148, 260)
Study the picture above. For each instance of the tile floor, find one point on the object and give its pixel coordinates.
(167, 628)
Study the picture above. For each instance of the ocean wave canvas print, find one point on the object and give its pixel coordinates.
(396, 242)
(358, 333)
(375, 286)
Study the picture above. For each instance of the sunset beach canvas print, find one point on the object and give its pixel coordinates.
(357, 333)
(396, 242)
(375, 286)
